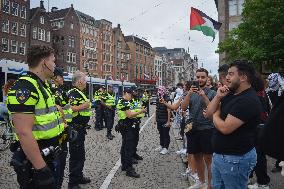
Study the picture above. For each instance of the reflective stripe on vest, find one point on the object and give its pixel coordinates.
(110, 100)
(48, 122)
(86, 112)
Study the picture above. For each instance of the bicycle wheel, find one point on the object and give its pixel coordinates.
(5, 136)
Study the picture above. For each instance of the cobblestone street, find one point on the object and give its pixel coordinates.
(157, 171)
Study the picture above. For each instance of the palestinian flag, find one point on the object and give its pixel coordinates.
(201, 22)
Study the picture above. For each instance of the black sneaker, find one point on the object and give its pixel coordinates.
(276, 170)
(74, 187)
(84, 180)
(134, 161)
(109, 136)
(137, 157)
(132, 173)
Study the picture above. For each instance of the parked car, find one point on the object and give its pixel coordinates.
(153, 99)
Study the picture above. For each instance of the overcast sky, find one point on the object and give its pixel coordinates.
(161, 22)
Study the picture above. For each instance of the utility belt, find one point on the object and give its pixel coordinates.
(124, 125)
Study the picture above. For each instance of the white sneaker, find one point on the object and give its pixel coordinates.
(164, 151)
(181, 152)
(281, 164)
(258, 186)
(197, 185)
(158, 149)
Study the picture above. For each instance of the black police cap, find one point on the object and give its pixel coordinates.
(59, 72)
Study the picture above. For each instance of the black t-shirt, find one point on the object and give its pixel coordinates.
(246, 107)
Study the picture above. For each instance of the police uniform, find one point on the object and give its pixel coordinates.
(61, 99)
(127, 130)
(136, 104)
(145, 102)
(99, 109)
(30, 95)
(77, 148)
(109, 113)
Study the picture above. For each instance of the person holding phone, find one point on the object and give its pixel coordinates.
(199, 145)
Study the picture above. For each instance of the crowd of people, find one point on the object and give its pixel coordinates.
(226, 125)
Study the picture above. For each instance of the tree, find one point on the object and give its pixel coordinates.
(260, 37)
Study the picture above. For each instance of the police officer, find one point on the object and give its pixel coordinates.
(137, 105)
(61, 100)
(127, 129)
(36, 120)
(99, 96)
(81, 107)
(145, 102)
(109, 111)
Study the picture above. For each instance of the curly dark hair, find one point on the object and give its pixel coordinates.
(36, 53)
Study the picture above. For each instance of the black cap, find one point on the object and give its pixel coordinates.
(128, 90)
(59, 72)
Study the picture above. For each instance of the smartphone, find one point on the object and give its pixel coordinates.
(196, 84)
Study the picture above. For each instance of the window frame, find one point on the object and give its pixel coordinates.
(11, 46)
(7, 40)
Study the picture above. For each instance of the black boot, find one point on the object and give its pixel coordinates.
(134, 161)
(109, 135)
(130, 172)
(137, 157)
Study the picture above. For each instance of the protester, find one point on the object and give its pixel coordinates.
(5, 89)
(237, 111)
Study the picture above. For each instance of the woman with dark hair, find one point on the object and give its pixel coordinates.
(261, 166)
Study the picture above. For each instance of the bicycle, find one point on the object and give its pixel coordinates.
(6, 133)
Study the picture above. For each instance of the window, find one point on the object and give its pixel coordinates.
(14, 28)
(240, 6)
(41, 34)
(5, 45)
(34, 33)
(72, 26)
(22, 48)
(48, 36)
(69, 56)
(74, 57)
(233, 8)
(15, 8)
(83, 52)
(5, 26)
(71, 41)
(23, 12)
(6, 6)
(23, 30)
(41, 19)
(119, 45)
(14, 45)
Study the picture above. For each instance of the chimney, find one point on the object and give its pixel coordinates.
(54, 9)
(71, 5)
(42, 5)
(118, 25)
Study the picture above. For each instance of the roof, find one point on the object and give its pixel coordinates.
(86, 18)
(58, 13)
(33, 11)
(135, 39)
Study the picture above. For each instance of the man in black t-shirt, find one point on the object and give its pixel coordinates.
(237, 113)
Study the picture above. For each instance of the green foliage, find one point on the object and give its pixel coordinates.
(260, 37)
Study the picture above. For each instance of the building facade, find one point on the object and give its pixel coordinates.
(229, 14)
(14, 16)
(66, 38)
(105, 49)
(89, 36)
(39, 27)
(122, 58)
(158, 63)
(142, 65)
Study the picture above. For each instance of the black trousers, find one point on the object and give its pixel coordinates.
(136, 132)
(182, 127)
(127, 147)
(146, 105)
(77, 156)
(62, 164)
(99, 116)
(164, 134)
(25, 172)
(109, 118)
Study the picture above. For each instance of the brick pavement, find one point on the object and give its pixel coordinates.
(157, 171)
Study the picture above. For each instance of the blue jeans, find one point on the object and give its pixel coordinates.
(231, 171)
